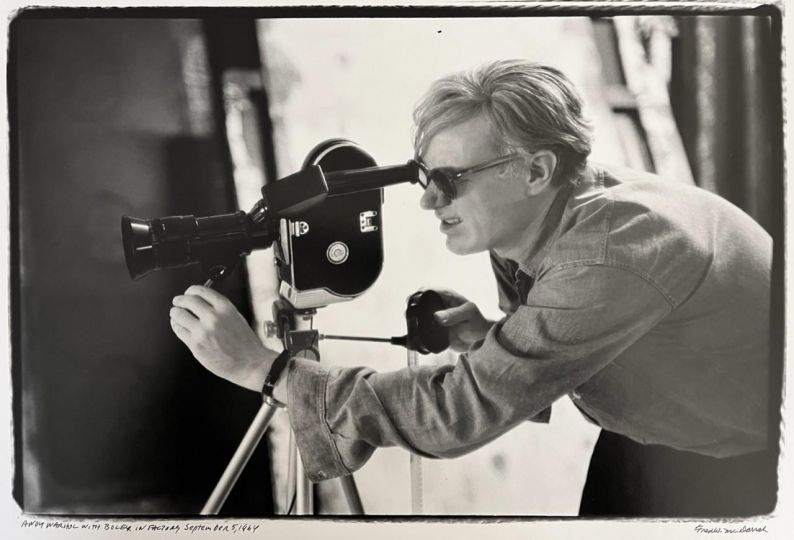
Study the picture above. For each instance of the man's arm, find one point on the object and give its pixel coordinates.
(574, 322)
(513, 289)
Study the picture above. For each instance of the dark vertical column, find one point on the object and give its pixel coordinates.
(772, 44)
(112, 414)
(725, 99)
(734, 63)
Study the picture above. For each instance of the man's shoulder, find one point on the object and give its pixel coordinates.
(636, 190)
(613, 206)
(665, 231)
(617, 200)
(613, 173)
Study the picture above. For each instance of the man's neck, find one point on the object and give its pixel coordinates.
(526, 243)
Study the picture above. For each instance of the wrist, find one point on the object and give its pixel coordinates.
(277, 369)
(483, 328)
(257, 371)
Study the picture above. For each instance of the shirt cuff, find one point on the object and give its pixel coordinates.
(306, 404)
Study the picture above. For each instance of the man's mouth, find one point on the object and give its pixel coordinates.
(451, 221)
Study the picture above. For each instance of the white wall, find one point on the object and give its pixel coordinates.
(359, 79)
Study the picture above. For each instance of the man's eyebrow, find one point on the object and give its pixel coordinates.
(422, 162)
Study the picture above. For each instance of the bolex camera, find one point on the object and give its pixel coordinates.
(324, 223)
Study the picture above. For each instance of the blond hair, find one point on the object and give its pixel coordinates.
(530, 106)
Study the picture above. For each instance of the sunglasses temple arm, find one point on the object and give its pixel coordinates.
(354, 181)
(496, 163)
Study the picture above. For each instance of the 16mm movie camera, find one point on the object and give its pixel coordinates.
(324, 222)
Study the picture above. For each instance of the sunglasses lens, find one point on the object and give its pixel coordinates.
(443, 183)
(438, 177)
(422, 175)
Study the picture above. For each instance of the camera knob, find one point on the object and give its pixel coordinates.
(337, 252)
(271, 329)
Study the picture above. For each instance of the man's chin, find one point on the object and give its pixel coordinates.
(458, 249)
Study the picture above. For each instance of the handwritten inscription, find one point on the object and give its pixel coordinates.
(726, 529)
(137, 526)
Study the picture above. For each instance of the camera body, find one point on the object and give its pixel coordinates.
(332, 252)
(324, 222)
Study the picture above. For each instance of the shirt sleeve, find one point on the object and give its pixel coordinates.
(510, 298)
(573, 323)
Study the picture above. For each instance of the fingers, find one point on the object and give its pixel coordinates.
(202, 301)
(184, 318)
(181, 332)
(450, 297)
(189, 309)
(456, 315)
(210, 296)
(198, 306)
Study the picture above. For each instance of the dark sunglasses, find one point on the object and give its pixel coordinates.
(444, 177)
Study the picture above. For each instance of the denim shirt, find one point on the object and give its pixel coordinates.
(644, 300)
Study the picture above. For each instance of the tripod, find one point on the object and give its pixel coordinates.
(295, 328)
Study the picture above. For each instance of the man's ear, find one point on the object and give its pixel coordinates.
(542, 165)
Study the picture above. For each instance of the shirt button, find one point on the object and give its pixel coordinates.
(321, 474)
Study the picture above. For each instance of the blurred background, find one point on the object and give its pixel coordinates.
(160, 113)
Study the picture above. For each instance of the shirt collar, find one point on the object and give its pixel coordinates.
(551, 228)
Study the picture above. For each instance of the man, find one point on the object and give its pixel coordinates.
(644, 300)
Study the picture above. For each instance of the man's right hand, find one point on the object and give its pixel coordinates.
(463, 319)
(220, 338)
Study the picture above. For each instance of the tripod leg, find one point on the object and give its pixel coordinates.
(240, 458)
(304, 490)
(297, 500)
(417, 502)
(417, 499)
(351, 494)
(298, 485)
(292, 454)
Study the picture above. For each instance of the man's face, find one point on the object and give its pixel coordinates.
(490, 210)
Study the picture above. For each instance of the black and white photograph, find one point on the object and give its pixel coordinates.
(287, 265)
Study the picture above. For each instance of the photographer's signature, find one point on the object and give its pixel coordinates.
(726, 529)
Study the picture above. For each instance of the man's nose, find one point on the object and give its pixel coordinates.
(433, 198)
